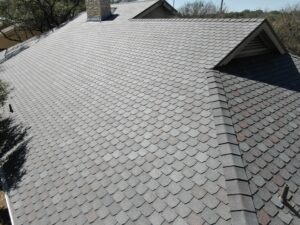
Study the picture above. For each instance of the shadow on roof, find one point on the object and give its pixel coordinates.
(277, 70)
(111, 17)
(13, 149)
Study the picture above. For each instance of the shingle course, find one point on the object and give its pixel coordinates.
(129, 122)
(134, 136)
(273, 91)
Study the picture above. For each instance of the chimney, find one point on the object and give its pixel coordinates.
(97, 10)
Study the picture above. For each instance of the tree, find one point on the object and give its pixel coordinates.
(287, 26)
(31, 16)
(198, 9)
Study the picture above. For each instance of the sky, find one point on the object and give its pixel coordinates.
(240, 5)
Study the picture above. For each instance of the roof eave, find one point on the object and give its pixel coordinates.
(7, 201)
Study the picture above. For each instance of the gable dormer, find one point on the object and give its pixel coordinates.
(161, 9)
(263, 40)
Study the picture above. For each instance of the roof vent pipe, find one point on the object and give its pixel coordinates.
(10, 108)
(284, 194)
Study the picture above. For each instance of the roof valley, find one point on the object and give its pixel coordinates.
(237, 183)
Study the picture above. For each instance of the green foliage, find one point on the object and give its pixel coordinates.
(285, 22)
(245, 14)
(38, 15)
(287, 26)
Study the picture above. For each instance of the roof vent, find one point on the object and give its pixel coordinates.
(261, 44)
(97, 10)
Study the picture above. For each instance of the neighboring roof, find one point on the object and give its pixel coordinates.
(7, 30)
(128, 10)
(129, 125)
(153, 7)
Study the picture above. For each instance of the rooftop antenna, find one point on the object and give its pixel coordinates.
(173, 3)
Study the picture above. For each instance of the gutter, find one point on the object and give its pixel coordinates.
(9, 207)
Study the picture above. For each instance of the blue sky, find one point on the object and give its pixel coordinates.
(239, 5)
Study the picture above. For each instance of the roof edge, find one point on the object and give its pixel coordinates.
(237, 183)
(263, 26)
(8, 204)
(206, 20)
(9, 207)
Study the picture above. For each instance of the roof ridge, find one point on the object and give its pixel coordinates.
(244, 20)
(237, 183)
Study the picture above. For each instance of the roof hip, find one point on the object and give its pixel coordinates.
(238, 191)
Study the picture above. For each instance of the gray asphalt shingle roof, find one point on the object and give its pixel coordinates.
(264, 99)
(129, 126)
(128, 10)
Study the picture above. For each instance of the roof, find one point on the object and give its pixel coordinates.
(130, 124)
(7, 30)
(169, 13)
(128, 10)
(263, 95)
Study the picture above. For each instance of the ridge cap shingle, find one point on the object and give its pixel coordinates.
(239, 195)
